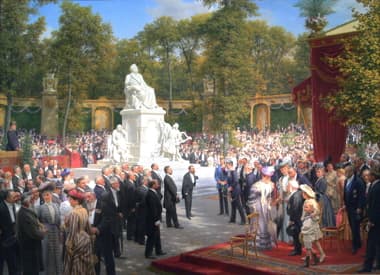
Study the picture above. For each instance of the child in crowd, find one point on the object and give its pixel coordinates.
(311, 232)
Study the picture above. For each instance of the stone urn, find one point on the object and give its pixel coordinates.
(316, 23)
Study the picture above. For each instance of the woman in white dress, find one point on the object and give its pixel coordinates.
(260, 200)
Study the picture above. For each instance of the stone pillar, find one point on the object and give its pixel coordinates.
(49, 106)
(143, 127)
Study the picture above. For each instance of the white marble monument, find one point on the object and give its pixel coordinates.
(144, 136)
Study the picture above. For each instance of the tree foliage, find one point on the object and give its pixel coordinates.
(244, 57)
(20, 46)
(80, 48)
(358, 101)
(164, 35)
(229, 63)
(271, 48)
(315, 8)
(301, 58)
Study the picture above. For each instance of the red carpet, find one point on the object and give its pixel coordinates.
(217, 259)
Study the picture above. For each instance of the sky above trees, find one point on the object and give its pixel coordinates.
(128, 17)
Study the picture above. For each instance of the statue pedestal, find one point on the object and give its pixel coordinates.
(143, 127)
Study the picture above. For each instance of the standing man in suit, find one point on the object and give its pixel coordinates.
(141, 193)
(234, 188)
(294, 209)
(354, 202)
(220, 176)
(106, 174)
(373, 226)
(30, 233)
(153, 220)
(99, 188)
(241, 171)
(108, 227)
(188, 183)
(156, 176)
(129, 204)
(12, 137)
(9, 248)
(170, 199)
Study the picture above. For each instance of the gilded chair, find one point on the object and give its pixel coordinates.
(244, 240)
(335, 232)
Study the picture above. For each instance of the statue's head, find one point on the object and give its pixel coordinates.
(134, 68)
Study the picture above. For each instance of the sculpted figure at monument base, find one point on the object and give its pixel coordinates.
(171, 140)
(119, 150)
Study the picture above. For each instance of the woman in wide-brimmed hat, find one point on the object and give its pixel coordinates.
(260, 200)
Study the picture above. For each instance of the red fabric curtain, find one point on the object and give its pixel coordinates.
(302, 93)
(329, 134)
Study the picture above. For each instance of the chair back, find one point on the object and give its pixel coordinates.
(252, 224)
(340, 218)
(320, 206)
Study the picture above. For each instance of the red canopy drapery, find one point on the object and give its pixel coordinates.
(329, 133)
(302, 93)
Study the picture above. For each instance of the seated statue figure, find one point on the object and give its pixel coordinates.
(138, 94)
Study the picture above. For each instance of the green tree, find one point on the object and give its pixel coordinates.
(359, 95)
(19, 49)
(228, 62)
(163, 33)
(301, 58)
(271, 49)
(79, 49)
(189, 42)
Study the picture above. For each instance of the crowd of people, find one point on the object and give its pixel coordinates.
(304, 197)
(55, 222)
